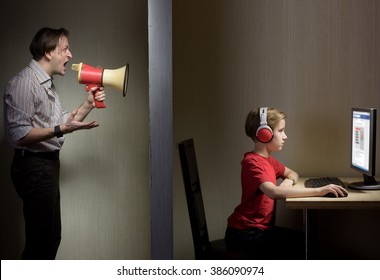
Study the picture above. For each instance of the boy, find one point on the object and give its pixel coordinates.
(252, 224)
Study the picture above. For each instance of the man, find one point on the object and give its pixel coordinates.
(35, 123)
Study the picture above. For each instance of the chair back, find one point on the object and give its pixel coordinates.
(194, 198)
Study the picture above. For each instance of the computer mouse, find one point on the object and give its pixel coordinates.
(333, 195)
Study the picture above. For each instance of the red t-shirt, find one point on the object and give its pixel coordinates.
(256, 209)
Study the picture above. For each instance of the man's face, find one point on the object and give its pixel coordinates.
(60, 56)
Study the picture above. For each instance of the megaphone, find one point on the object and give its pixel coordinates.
(97, 77)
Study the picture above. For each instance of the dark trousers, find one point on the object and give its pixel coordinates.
(277, 243)
(36, 181)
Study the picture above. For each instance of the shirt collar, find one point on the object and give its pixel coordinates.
(41, 74)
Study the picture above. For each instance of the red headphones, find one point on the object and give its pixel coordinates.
(264, 133)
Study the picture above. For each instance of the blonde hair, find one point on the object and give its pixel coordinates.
(252, 122)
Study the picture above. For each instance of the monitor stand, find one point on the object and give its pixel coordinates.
(368, 183)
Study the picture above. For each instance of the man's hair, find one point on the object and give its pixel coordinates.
(252, 122)
(46, 40)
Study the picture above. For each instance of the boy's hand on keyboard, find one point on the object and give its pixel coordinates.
(333, 190)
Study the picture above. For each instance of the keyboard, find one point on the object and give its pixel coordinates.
(323, 181)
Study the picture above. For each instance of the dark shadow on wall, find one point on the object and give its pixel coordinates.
(11, 217)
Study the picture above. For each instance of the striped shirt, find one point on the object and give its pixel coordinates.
(30, 101)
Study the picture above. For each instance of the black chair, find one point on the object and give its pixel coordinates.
(203, 247)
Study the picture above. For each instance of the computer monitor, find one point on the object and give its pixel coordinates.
(363, 147)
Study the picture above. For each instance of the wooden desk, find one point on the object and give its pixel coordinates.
(356, 199)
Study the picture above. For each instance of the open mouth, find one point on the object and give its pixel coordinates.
(64, 65)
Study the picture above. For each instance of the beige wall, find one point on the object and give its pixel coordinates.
(313, 59)
(105, 171)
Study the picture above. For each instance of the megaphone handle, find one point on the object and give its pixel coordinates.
(98, 104)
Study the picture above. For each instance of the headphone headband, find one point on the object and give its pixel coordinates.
(263, 115)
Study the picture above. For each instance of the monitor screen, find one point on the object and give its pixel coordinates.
(363, 146)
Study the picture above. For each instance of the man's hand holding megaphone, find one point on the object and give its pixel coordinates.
(97, 77)
(96, 95)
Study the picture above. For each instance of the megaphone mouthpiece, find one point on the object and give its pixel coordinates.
(75, 67)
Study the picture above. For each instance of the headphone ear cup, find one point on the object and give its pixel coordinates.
(264, 134)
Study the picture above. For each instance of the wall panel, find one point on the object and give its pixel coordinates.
(312, 59)
(105, 171)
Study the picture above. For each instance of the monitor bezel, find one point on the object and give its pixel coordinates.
(369, 181)
(372, 144)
